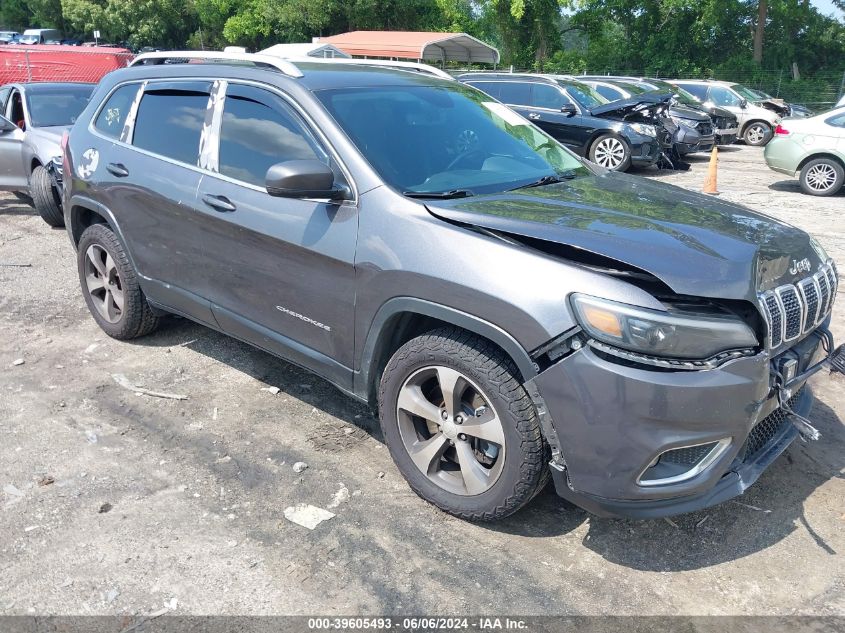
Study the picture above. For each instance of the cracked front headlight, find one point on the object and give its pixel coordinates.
(644, 128)
(659, 333)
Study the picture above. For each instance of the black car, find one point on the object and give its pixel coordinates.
(681, 114)
(614, 135)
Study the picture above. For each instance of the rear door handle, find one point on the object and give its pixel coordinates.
(534, 116)
(219, 203)
(117, 169)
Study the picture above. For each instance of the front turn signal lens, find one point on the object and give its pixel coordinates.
(602, 320)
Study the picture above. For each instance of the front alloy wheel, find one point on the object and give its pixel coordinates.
(450, 430)
(611, 152)
(460, 426)
(758, 134)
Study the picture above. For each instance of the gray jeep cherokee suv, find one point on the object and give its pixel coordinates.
(512, 311)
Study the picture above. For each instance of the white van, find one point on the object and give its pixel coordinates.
(40, 36)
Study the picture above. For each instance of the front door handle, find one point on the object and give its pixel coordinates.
(534, 116)
(219, 203)
(117, 169)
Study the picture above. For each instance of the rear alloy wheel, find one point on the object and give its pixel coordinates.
(611, 152)
(822, 177)
(460, 426)
(110, 286)
(757, 134)
(46, 198)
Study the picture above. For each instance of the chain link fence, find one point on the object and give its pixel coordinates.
(19, 63)
(818, 90)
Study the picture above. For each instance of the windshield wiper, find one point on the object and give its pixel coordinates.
(440, 195)
(549, 179)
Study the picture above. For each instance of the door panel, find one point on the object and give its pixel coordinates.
(286, 266)
(12, 171)
(153, 195)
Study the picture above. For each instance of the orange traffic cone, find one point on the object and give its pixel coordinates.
(710, 180)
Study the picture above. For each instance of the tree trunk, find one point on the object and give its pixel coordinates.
(759, 30)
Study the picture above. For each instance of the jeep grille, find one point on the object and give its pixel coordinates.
(795, 309)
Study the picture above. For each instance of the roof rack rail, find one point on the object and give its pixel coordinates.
(412, 66)
(161, 57)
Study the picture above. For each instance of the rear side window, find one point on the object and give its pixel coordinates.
(491, 88)
(515, 94)
(170, 120)
(259, 130)
(112, 117)
(837, 121)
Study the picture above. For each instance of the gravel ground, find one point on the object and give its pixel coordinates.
(117, 503)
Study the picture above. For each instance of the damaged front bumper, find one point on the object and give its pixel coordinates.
(614, 423)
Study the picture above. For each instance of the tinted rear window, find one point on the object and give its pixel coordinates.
(515, 94)
(112, 117)
(169, 122)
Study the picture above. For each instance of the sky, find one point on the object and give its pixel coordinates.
(826, 7)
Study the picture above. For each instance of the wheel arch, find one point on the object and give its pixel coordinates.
(745, 125)
(829, 155)
(402, 318)
(84, 212)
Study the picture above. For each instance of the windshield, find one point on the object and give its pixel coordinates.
(57, 106)
(427, 138)
(585, 95)
(681, 96)
(745, 93)
(28, 39)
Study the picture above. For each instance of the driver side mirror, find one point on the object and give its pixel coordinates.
(743, 103)
(6, 125)
(568, 109)
(303, 179)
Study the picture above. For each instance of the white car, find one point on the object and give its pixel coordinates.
(841, 102)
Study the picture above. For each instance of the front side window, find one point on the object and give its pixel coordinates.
(721, 96)
(57, 106)
(113, 115)
(259, 130)
(546, 96)
(611, 94)
(585, 96)
(170, 119)
(699, 91)
(435, 138)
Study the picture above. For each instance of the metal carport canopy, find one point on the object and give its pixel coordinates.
(447, 47)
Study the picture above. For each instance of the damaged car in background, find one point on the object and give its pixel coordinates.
(613, 135)
(33, 118)
(511, 311)
(681, 116)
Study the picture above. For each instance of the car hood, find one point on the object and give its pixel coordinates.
(695, 244)
(621, 107)
(685, 112)
(48, 134)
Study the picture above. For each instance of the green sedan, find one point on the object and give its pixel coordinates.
(812, 148)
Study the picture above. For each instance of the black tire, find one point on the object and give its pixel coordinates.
(136, 317)
(46, 198)
(757, 133)
(615, 161)
(23, 197)
(524, 471)
(822, 177)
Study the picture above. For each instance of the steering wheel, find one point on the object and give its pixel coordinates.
(466, 145)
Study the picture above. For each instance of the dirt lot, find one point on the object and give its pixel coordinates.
(172, 504)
